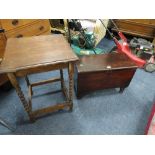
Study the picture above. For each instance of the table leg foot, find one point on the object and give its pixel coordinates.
(32, 119)
(71, 108)
(121, 90)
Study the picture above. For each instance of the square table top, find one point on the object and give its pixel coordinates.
(27, 52)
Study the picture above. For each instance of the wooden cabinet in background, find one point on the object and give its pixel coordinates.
(20, 28)
(137, 27)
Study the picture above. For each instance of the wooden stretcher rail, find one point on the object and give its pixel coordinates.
(45, 82)
(41, 112)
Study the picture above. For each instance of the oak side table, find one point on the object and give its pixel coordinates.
(30, 55)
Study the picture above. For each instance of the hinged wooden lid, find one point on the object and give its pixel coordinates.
(111, 61)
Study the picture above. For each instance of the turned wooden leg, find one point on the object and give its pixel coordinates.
(27, 80)
(29, 84)
(30, 92)
(63, 87)
(71, 73)
(16, 85)
(62, 79)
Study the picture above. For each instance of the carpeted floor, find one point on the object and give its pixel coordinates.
(101, 112)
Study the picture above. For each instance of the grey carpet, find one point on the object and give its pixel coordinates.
(100, 112)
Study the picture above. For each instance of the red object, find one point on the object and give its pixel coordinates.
(150, 119)
(122, 36)
(124, 48)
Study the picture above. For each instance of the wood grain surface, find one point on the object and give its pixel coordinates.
(97, 72)
(30, 52)
(103, 62)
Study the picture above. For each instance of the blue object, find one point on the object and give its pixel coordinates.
(80, 51)
(106, 44)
